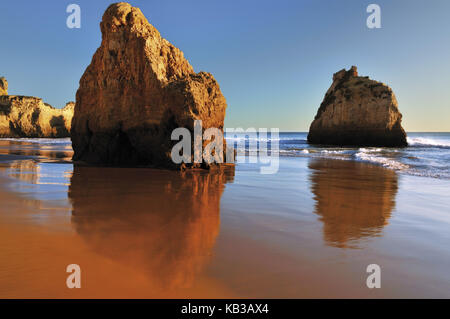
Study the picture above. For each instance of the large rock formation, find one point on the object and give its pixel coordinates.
(27, 116)
(357, 111)
(136, 90)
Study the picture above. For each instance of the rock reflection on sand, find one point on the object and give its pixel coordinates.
(32, 172)
(48, 152)
(25, 170)
(163, 223)
(354, 200)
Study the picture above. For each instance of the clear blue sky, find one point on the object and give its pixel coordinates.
(273, 59)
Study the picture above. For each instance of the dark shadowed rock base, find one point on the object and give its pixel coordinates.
(395, 137)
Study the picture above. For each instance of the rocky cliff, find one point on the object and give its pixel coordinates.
(357, 111)
(27, 116)
(3, 86)
(136, 90)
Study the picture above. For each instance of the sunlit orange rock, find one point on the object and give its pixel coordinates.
(28, 116)
(136, 90)
(357, 111)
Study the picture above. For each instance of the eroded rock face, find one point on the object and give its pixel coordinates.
(357, 111)
(3, 86)
(136, 90)
(27, 116)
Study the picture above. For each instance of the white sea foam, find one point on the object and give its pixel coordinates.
(294, 152)
(332, 152)
(240, 137)
(370, 156)
(370, 150)
(421, 141)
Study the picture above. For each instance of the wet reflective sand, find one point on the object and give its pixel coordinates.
(354, 200)
(164, 223)
(308, 231)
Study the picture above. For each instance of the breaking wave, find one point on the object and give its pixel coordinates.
(426, 142)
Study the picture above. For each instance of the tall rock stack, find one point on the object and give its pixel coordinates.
(137, 89)
(358, 111)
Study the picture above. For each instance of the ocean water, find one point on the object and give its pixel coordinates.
(427, 154)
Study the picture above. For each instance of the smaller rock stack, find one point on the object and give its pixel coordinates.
(358, 111)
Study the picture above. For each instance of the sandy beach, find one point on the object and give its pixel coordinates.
(308, 231)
